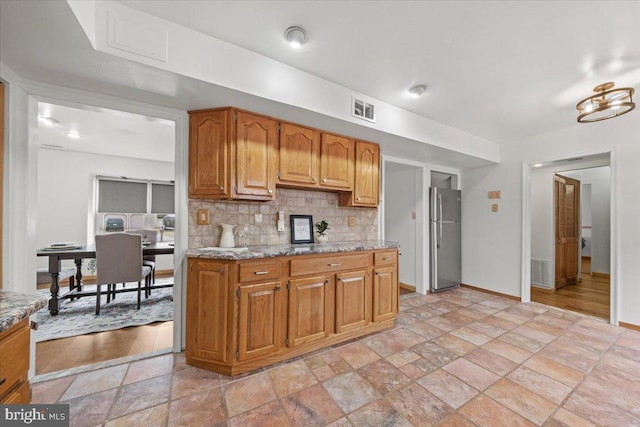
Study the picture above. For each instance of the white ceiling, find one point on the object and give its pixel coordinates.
(108, 132)
(499, 70)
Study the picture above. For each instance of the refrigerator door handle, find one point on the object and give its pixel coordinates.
(439, 207)
(439, 235)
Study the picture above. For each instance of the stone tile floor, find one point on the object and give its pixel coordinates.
(460, 358)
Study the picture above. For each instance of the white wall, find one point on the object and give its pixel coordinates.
(400, 202)
(65, 193)
(499, 269)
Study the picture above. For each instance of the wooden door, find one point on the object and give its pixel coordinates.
(261, 320)
(207, 311)
(567, 225)
(298, 155)
(209, 154)
(385, 293)
(256, 158)
(310, 309)
(336, 162)
(353, 300)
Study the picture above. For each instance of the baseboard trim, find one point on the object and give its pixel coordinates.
(407, 287)
(486, 291)
(603, 275)
(629, 326)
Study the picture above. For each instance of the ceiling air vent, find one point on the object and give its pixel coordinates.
(362, 109)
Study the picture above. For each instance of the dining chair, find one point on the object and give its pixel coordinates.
(43, 275)
(148, 235)
(119, 260)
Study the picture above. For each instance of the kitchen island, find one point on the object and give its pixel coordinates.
(15, 309)
(249, 309)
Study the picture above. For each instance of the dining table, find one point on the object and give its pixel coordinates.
(78, 253)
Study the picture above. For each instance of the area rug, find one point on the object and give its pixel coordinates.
(78, 317)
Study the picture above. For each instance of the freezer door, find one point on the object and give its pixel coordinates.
(446, 257)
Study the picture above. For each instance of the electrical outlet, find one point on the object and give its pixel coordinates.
(203, 216)
(352, 221)
(413, 215)
(494, 207)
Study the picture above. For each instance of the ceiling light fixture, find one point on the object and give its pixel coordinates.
(295, 36)
(607, 103)
(418, 90)
(73, 135)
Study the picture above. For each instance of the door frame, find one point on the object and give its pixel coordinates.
(422, 213)
(22, 177)
(614, 233)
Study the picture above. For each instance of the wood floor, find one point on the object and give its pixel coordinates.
(65, 353)
(589, 296)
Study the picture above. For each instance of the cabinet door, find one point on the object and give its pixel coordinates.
(256, 158)
(209, 154)
(385, 293)
(299, 148)
(309, 309)
(367, 174)
(207, 311)
(353, 300)
(261, 320)
(336, 162)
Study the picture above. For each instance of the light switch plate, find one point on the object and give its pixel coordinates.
(258, 218)
(352, 221)
(203, 216)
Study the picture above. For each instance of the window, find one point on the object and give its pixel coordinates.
(138, 202)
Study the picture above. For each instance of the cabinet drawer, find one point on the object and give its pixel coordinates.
(327, 264)
(385, 258)
(14, 353)
(250, 272)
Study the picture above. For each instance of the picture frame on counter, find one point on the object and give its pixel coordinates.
(301, 228)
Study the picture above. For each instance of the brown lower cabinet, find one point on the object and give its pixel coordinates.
(246, 314)
(14, 364)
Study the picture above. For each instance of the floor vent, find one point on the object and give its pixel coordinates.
(541, 273)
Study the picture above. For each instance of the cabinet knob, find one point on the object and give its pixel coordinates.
(314, 179)
(270, 191)
(278, 287)
(358, 198)
(324, 179)
(221, 188)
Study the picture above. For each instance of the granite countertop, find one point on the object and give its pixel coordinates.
(15, 307)
(270, 251)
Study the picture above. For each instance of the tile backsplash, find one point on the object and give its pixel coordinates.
(320, 204)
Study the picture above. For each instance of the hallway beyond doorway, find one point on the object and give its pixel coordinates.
(591, 295)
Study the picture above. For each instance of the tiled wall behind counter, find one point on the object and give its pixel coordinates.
(320, 204)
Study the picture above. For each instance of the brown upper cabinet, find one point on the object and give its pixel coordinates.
(232, 155)
(298, 155)
(235, 154)
(366, 188)
(312, 159)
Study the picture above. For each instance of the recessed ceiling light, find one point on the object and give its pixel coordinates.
(48, 121)
(418, 90)
(295, 36)
(73, 135)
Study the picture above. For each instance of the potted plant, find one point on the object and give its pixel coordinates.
(321, 228)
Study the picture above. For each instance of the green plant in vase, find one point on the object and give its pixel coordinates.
(321, 228)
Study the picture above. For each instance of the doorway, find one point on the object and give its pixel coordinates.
(570, 253)
(108, 143)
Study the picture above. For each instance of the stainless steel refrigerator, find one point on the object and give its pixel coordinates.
(444, 224)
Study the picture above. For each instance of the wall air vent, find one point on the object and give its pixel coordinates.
(363, 109)
(541, 273)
